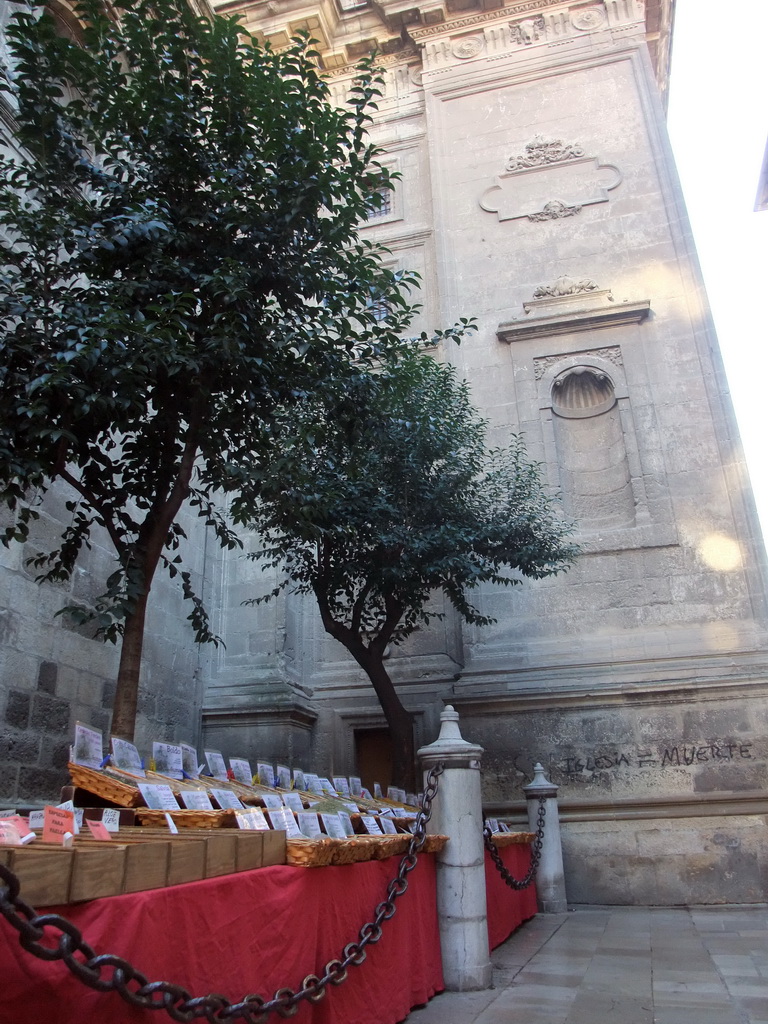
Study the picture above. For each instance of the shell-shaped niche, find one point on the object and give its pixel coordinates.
(582, 392)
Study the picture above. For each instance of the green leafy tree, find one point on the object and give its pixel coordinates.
(180, 256)
(380, 495)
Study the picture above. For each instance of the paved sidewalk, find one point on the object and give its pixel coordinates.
(637, 965)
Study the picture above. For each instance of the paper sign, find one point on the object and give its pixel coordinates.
(367, 794)
(346, 822)
(97, 829)
(159, 798)
(309, 824)
(401, 812)
(351, 806)
(168, 759)
(326, 787)
(283, 777)
(20, 824)
(377, 794)
(189, 760)
(36, 819)
(226, 798)
(355, 786)
(216, 764)
(172, 827)
(126, 756)
(313, 783)
(292, 800)
(388, 826)
(56, 824)
(9, 833)
(387, 812)
(252, 819)
(341, 785)
(333, 826)
(371, 825)
(266, 773)
(504, 827)
(273, 800)
(88, 746)
(68, 805)
(299, 780)
(412, 800)
(492, 824)
(110, 819)
(241, 769)
(195, 801)
(283, 819)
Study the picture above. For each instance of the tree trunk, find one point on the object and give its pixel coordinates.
(399, 720)
(127, 690)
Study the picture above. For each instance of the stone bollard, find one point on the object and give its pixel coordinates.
(550, 877)
(458, 812)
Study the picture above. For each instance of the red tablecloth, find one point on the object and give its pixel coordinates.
(508, 908)
(251, 932)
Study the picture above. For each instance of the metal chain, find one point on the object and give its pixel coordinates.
(105, 972)
(492, 849)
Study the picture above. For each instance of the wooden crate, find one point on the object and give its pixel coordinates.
(44, 873)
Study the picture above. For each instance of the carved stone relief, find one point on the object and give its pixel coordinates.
(550, 180)
(468, 47)
(565, 286)
(588, 19)
(528, 32)
(611, 353)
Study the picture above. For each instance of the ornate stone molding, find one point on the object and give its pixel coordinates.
(584, 309)
(550, 180)
(565, 286)
(611, 353)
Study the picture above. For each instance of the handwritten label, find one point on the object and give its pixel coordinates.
(266, 773)
(283, 777)
(88, 746)
(333, 826)
(388, 826)
(371, 825)
(20, 824)
(126, 756)
(309, 824)
(9, 833)
(36, 819)
(110, 819)
(355, 786)
(98, 830)
(341, 785)
(299, 780)
(159, 798)
(216, 764)
(241, 770)
(189, 760)
(168, 759)
(195, 801)
(283, 819)
(57, 823)
(290, 799)
(226, 798)
(252, 819)
(273, 800)
(346, 822)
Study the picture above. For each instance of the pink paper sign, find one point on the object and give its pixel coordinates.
(98, 829)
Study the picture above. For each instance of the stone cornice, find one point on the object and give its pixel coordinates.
(420, 34)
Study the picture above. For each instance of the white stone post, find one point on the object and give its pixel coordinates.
(550, 877)
(457, 812)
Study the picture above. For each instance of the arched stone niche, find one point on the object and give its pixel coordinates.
(590, 435)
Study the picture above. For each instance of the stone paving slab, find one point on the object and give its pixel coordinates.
(636, 965)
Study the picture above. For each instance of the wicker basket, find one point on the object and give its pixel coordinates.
(310, 853)
(502, 839)
(434, 844)
(188, 818)
(105, 785)
(351, 851)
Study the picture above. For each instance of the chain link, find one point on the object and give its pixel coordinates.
(492, 849)
(52, 937)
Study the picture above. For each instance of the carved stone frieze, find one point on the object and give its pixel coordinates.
(528, 31)
(565, 286)
(611, 354)
(555, 209)
(540, 152)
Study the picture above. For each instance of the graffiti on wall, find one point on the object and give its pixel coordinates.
(650, 759)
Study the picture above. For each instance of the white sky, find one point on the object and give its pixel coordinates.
(718, 122)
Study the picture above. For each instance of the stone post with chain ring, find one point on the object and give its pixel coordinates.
(550, 877)
(458, 813)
